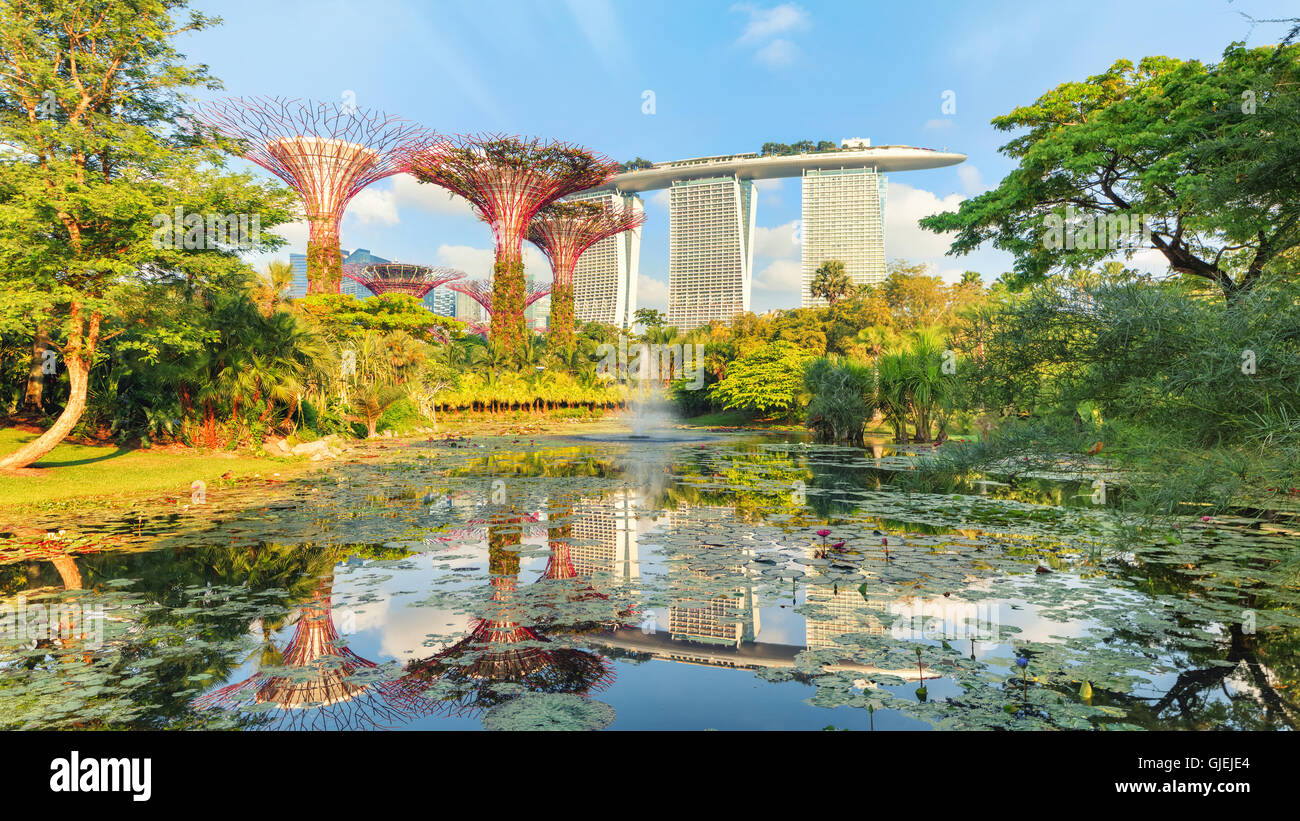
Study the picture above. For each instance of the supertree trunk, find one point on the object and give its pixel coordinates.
(324, 259)
(508, 294)
(562, 321)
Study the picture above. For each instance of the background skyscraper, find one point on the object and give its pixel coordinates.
(604, 281)
(710, 250)
(843, 218)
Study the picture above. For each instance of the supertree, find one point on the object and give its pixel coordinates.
(401, 277)
(484, 293)
(508, 180)
(564, 231)
(332, 688)
(326, 152)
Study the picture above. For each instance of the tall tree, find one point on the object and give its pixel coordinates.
(89, 96)
(649, 318)
(1204, 154)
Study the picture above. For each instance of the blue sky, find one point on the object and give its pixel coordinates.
(726, 77)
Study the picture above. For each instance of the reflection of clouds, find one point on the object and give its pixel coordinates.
(780, 625)
(386, 626)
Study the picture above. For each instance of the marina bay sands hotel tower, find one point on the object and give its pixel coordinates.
(711, 215)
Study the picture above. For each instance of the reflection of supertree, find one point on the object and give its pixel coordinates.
(564, 231)
(325, 693)
(508, 180)
(327, 153)
(401, 278)
(559, 565)
(501, 650)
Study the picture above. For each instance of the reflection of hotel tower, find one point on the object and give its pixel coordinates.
(721, 619)
(604, 536)
(839, 611)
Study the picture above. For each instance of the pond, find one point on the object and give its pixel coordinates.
(743, 582)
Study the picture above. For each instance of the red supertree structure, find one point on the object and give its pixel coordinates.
(327, 152)
(330, 691)
(564, 230)
(401, 277)
(508, 180)
(483, 292)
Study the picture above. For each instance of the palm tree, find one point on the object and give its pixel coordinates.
(927, 387)
(370, 401)
(831, 282)
(892, 393)
(272, 286)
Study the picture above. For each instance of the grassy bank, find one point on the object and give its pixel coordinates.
(73, 473)
(90, 475)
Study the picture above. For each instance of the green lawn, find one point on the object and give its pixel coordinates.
(109, 473)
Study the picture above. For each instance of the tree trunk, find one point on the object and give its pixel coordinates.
(35, 395)
(77, 356)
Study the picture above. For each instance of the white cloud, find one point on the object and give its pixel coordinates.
(780, 275)
(651, 293)
(764, 23)
(408, 191)
(660, 198)
(374, 207)
(780, 242)
(477, 262)
(903, 237)
(777, 54)
(769, 191)
(382, 203)
(971, 179)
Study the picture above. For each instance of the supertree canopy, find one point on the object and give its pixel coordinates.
(484, 293)
(330, 687)
(401, 278)
(508, 180)
(326, 152)
(564, 230)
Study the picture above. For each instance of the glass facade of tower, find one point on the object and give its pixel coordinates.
(710, 250)
(843, 218)
(604, 280)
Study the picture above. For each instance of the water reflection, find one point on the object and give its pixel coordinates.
(439, 588)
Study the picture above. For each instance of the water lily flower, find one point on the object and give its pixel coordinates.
(823, 533)
(1022, 661)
